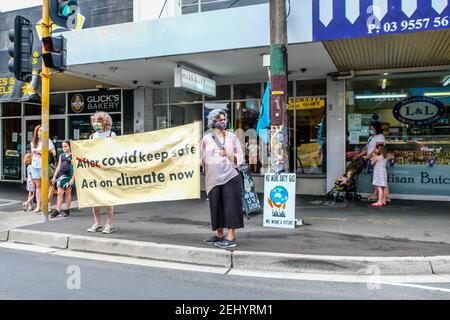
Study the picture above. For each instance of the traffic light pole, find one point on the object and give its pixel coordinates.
(45, 99)
(279, 155)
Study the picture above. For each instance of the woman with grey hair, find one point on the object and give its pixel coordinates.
(221, 155)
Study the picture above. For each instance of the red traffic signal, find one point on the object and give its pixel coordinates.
(55, 56)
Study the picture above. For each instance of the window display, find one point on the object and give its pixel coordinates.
(414, 112)
(80, 126)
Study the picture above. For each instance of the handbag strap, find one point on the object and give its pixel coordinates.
(217, 141)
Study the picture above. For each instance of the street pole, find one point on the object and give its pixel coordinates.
(279, 155)
(45, 99)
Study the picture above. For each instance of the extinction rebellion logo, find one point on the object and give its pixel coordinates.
(419, 111)
(77, 103)
(277, 201)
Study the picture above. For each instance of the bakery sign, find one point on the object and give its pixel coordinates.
(93, 101)
(419, 110)
(194, 82)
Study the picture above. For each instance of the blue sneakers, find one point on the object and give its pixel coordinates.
(214, 239)
(225, 244)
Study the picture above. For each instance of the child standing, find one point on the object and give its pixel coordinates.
(28, 205)
(379, 162)
(253, 154)
(64, 180)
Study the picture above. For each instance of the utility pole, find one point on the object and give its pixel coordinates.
(45, 99)
(279, 155)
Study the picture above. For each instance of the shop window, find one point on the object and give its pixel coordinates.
(185, 114)
(160, 117)
(177, 95)
(189, 6)
(57, 132)
(310, 134)
(80, 126)
(128, 111)
(247, 91)
(159, 96)
(11, 109)
(57, 106)
(222, 93)
(305, 88)
(245, 119)
(414, 112)
(12, 149)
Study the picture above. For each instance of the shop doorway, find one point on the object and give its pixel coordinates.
(12, 149)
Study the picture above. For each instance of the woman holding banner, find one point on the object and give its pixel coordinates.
(221, 155)
(102, 124)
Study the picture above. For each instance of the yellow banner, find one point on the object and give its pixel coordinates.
(144, 167)
(307, 103)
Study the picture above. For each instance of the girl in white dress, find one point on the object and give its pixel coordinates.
(379, 161)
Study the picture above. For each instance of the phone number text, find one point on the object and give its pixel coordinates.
(410, 25)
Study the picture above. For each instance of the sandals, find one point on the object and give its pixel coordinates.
(377, 204)
(24, 206)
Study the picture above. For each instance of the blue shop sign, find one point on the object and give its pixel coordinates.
(338, 19)
(419, 111)
(412, 179)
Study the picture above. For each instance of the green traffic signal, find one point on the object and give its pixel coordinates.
(66, 8)
(66, 11)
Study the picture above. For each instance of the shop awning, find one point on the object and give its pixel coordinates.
(406, 50)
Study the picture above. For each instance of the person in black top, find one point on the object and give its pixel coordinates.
(64, 179)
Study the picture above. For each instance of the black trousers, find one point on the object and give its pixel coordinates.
(225, 204)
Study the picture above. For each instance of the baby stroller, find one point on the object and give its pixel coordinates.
(347, 188)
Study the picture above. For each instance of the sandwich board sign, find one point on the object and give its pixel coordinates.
(279, 200)
(249, 196)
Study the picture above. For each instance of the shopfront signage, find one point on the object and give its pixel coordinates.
(91, 102)
(249, 196)
(12, 90)
(419, 110)
(194, 82)
(279, 200)
(414, 179)
(307, 103)
(338, 19)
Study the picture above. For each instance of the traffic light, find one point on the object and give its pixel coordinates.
(21, 49)
(64, 13)
(56, 55)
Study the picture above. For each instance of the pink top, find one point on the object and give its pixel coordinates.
(218, 169)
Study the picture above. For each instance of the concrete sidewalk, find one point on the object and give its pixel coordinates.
(358, 229)
(335, 232)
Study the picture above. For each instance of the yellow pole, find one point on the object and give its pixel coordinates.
(45, 76)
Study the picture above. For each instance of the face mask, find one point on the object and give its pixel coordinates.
(220, 125)
(372, 132)
(97, 128)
